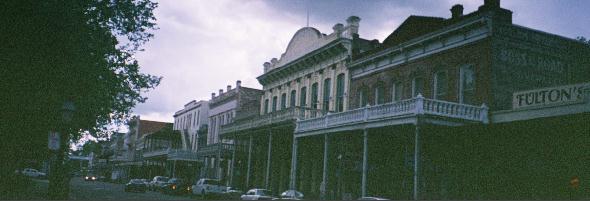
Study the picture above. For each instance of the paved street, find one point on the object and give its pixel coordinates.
(83, 190)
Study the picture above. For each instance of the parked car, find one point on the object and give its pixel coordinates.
(372, 198)
(232, 193)
(291, 195)
(207, 187)
(30, 172)
(157, 182)
(176, 186)
(136, 185)
(257, 194)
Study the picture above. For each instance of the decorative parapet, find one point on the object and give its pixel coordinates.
(308, 39)
(288, 114)
(410, 107)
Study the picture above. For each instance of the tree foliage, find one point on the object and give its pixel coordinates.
(77, 50)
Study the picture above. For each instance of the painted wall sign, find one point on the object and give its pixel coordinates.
(551, 96)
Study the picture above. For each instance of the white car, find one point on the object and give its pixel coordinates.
(257, 194)
(205, 187)
(157, 183)
(30, 172)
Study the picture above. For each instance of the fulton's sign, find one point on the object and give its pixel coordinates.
(551, 96)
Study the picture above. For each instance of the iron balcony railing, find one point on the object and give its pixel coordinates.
(414, 106)
(184, 155)
(288, 114)
(156, 152)
(214, 149)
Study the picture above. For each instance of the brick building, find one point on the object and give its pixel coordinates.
(466, 107)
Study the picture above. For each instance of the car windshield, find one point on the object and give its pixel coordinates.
(136, 181)
(264, 192)
(162, 179)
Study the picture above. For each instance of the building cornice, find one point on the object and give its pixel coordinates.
(331, 49)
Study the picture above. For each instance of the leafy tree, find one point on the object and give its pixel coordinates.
(77, 50)
(583, 39)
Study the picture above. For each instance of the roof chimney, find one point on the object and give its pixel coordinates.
(456, 11)
(212, 95)
(228, 88)
(238, 84)
(492, 3)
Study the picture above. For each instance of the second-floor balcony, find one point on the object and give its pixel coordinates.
(182, 155)
(215, 149)
(288, 114)
(393, 112)
(157, 152)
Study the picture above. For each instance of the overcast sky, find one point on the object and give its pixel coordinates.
(204, 45)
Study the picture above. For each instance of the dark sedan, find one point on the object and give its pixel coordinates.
(136, 185)
(176, 186)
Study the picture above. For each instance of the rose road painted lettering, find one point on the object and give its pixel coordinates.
(559, 95)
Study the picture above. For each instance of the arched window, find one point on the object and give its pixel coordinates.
(467, 85)
(440, 85)
(379, 92)
(283, 101)
(274, 104)
(314, 95)
(326, 99)
(340, 93)
(396, 91)
(363, 95)
(266, 106)
(417, 86)
(303, 97)
(293, 98)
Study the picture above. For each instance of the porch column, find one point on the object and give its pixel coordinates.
(174, 168)
(233, 161)
(365, 163)
(416, 160)
(293, 179)
(266, 179)
(325, 171)
(249, 163)
(218, 171)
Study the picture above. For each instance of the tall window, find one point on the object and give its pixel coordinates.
(314, 96)
(293, 98)
(396, 92)
(379, 94)
(274, 104)
(417, 86)
(303, 97)
(327, 87)
(363, 93)
(440, 85)
(283, 101)
(340, 93)
(266, 106)
(467, 85)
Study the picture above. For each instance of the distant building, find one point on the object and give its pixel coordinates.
(189, 120)
(225, 108)
(128, 159)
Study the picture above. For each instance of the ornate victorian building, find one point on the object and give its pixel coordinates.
(467, 107)
(310, 79)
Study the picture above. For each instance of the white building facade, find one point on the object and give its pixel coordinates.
(189, 120)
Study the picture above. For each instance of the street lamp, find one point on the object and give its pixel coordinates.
(58, 187)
